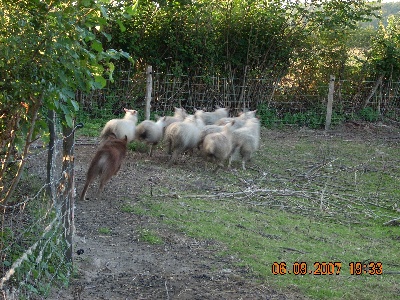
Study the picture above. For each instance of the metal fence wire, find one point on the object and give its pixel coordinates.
(279, 96)
(36, 225)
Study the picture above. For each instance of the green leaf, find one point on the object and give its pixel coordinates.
(75, 104)
(103, 11)
(108, 36)
(69, 93)
(131, 10)
(68, 119)
(6, 263)
(125, 54)
(100, 80)
(86, 3)
(111, 67)
(31, 288)
(121, 26)
(97, 46)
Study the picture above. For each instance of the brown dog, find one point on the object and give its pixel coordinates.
(106, 162)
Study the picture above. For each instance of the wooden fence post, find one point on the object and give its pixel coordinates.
(149, 86)
(51, 122)
(330, 102)
(67, 204)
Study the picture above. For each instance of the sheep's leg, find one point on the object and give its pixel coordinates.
(245, 158)
(220, 165)
(173, 158)
(234, 150)
(169, 146)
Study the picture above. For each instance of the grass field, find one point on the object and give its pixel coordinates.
(307, 198)
(309, 206)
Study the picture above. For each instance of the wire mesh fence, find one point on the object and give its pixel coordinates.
(282, 101)
(37, 223)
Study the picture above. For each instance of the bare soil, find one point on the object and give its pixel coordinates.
(119, 265)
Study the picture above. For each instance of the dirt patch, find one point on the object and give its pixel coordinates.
(119, 265)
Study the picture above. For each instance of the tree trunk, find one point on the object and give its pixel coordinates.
(66, 188)
(28, 141)
(377, 84)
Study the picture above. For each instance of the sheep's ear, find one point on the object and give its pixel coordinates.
(125, 109)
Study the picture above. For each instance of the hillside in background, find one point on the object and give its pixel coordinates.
(388, 9)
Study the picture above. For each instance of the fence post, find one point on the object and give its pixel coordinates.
(149, 86)
(51, 122)
(67, 200)
(330, 101)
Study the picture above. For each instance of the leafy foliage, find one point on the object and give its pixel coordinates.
(232, 36)
(48, 51)
(385, 51)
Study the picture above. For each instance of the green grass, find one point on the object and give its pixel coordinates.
(135, 209)
(91, 127)
(304, 199)
(104, 230)
(261, 236)
(149, 236)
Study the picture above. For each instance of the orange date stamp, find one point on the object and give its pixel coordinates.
(326, 268)
(302, 268)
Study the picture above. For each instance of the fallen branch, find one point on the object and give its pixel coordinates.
(393, 222)
(294, 250)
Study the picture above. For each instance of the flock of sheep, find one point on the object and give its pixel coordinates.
(217, 137)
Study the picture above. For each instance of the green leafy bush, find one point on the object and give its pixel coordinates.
(369, 114)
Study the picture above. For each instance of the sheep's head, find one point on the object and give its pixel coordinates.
(130, 111)
(180, 113)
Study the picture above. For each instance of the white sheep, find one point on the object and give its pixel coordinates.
(246, 141)
(217, 146)
(208, 129)
(212, 117)
(240, 119)
(179, 115)
(182, 136)
(121, 127)
(150, 132)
